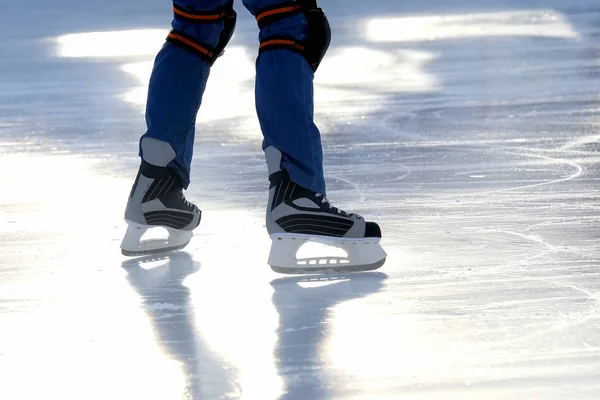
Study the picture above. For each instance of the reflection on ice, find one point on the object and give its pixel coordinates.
(230, 89)
(166, 300)
(353, 81)
(541, 23)
(141, 71)
(232, 297)
(416, 347)
(346, 82)
(29, 204)
(358, 69)
(346, 73)
(140, 42)
(306, 306)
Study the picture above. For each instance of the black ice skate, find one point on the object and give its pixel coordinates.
(157, 200)
(296, 216)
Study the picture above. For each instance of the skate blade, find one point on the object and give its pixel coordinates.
(361, 255)
(156, 248)
(133, 246)
(340, 269)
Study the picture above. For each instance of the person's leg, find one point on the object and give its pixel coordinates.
(284, 100)
(201, 29)
(177, 84)
(294, 37)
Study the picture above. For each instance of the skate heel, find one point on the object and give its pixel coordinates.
(133, 245)
(284, 251)
(132, 239)
(178, 238)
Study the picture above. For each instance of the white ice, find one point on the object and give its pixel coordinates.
(469, 130)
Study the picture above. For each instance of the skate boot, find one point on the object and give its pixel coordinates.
(157, 200)
(297, 216)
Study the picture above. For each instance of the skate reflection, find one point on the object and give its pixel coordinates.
(167, 303)
(305, 306)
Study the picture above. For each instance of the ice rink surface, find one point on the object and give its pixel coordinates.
(469, 130)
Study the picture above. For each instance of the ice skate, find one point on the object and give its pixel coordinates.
(297, 216)
(157, 201)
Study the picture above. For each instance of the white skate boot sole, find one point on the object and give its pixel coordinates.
(362, 254)
(133, 245)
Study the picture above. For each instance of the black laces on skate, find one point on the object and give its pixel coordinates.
(324, 200)
(186, 201)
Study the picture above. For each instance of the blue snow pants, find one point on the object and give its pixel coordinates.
(283, 94)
